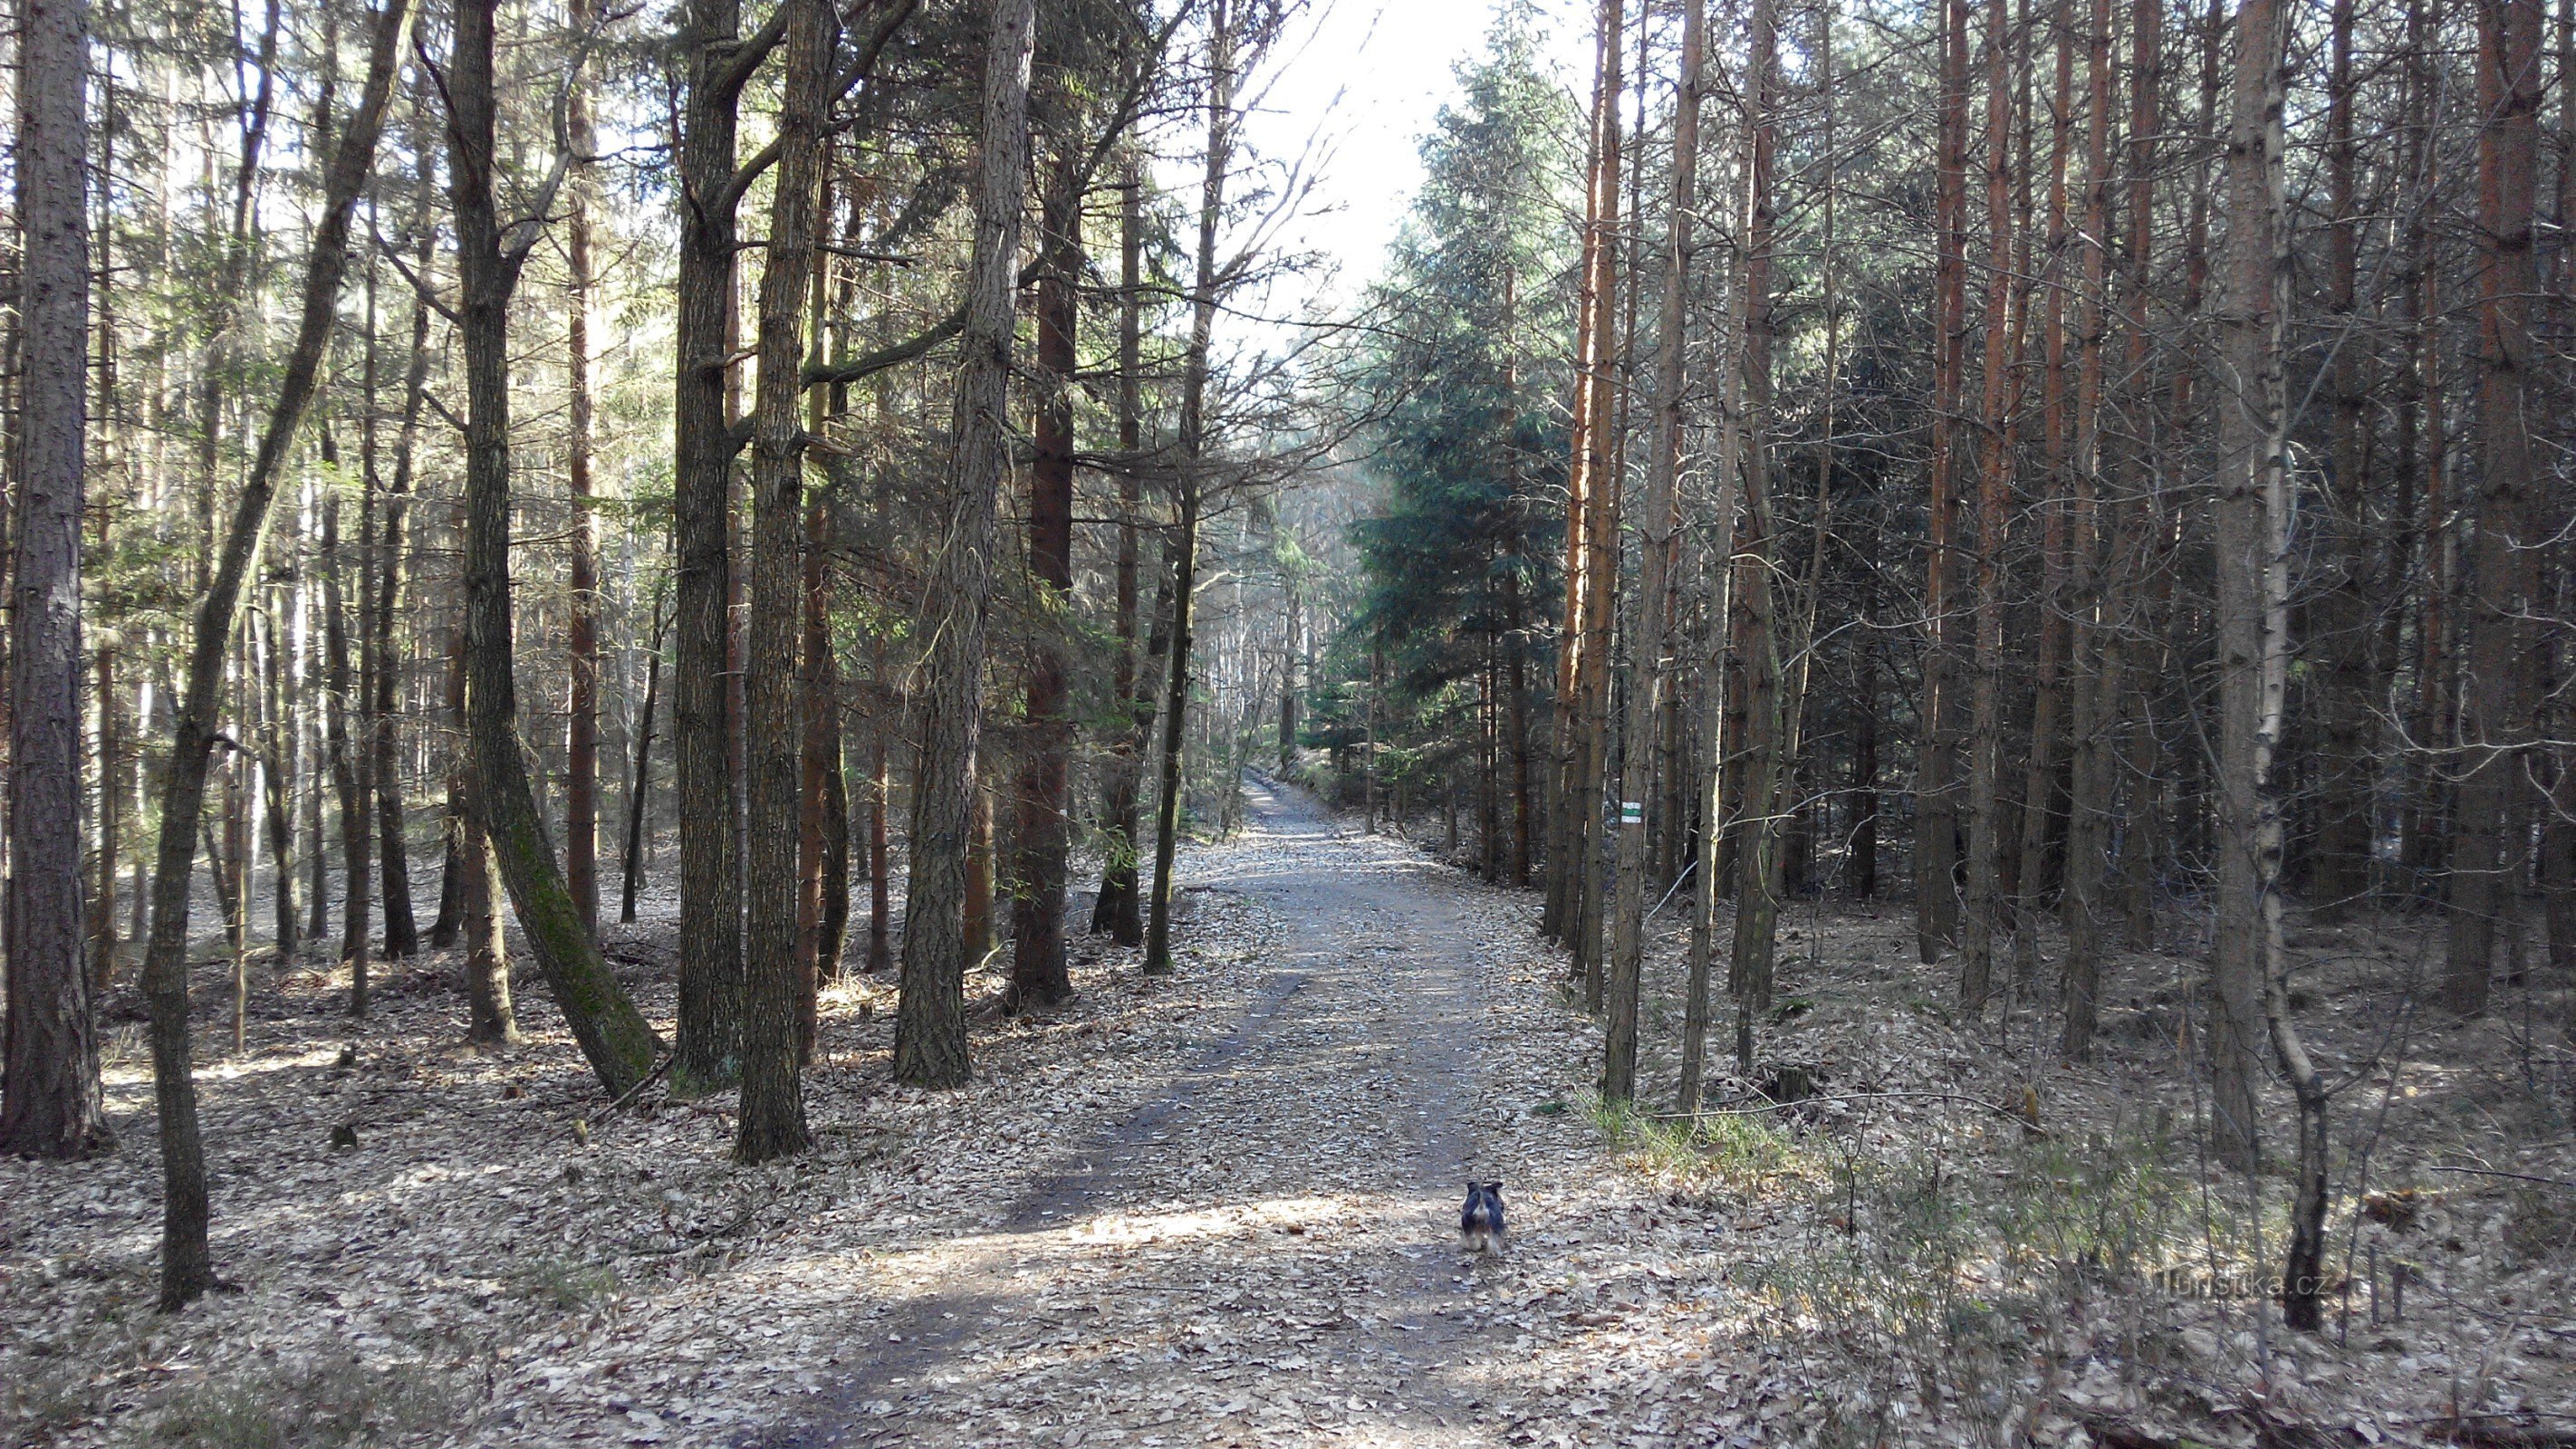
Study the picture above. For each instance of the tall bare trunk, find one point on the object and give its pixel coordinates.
(1650, 670)
(1757, 885)
(1191, 482)
(2495, 699)
(581, 625)
(2252, 414)
(1936, 845)
(1042, 840)
(703, 453)
(1119, 909)
(777, 976)
(930, 1033)
(639, 777)
(2093, 648)
(49, 1089)
(2340, 618)
(1573, 801)
(402, 934)
(1985, 901)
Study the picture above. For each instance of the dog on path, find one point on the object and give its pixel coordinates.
(1480, 1223)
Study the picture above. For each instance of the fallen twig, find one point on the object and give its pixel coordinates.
(1768, 1107)
(2516, 1176)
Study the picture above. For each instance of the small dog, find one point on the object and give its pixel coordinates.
(1480, 1223)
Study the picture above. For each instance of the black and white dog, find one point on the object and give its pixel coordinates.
(1480, 1223)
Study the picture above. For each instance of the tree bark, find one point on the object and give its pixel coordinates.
(704, 447)
(2252, 413)
(1757, 887)
(402, 934)
(349, 774)
(2093, 647)
(930, 1031)
(1571, 799)
(1042, 837)
(2339, 868)
(581, 625)
(2486, 867)
(640, 778)
(49, 1089)
(1118, 910)
(1936, 848)
(1649, 670)
(1192, 443)
(1985, 903)
(612, 1034)
(187, 1266)
(772, 1119)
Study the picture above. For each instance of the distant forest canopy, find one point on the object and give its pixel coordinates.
(2096, 472)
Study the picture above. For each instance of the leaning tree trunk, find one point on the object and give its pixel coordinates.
(613, 1035)
(49, 1094)
(187, 1266)
(930, 1031)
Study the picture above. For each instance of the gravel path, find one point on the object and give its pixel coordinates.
(1265, 1253)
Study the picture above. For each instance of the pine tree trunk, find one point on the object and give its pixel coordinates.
(2252, 407)
(930, 1033)
(880, 888)
(1192, 441)
(2093, 648)
(491, 1018)
(2486, 866)
(613, 1035)
(1936, 907)
(777, 977)
(2049, 703)
(277, 810)
(711, 880)
(349, 774)
(1657, 531)
(402, 934)
(1985, 902)
(581, 582)
(2339, 872)
(1118, 910)
(1042, 837)
(49, 1089)
(1757, 889)
(1571, 796)
(639, 779)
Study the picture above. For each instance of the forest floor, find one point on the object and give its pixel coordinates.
(1219, 1208)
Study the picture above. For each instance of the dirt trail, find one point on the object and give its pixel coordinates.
(1265, 1253)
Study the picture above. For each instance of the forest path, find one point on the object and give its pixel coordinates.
(1266, 1253)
